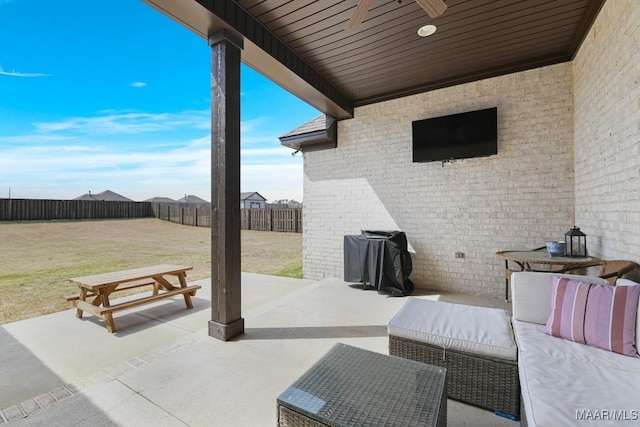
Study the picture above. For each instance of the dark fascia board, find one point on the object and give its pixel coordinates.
(263, 51)
(313, 141)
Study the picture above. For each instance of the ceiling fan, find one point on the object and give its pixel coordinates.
(434, 8)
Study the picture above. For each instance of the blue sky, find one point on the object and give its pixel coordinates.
(114, 95)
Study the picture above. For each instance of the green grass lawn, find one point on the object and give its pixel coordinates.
(37, 258)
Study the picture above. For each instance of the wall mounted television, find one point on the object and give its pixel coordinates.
(458, 136)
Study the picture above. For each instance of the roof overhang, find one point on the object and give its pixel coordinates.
(318, 134)
(302, 45)
(263, 51)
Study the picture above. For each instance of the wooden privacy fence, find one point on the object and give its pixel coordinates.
(198, 215)
(44, 209)
(285, 220)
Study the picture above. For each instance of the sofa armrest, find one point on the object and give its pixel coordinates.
(531, 294)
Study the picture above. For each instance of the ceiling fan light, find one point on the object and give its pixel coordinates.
(426, 30)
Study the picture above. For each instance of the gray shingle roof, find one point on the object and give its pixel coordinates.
(106, 195)
(160, 200)
(317, 134)
(247, 194)
(191, 199)
(317, 124)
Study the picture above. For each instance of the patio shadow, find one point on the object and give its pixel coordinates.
(27, 384)
(314, 332)
(171, 311)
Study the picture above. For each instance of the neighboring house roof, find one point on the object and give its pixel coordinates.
(160, 200)
(106, 195)
(317, 134)
(190, 198)
(284, 204)
(246, 195)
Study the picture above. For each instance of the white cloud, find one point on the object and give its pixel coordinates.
(138, 84)
(116, 123)
(251, 126)
(263, 152)
(44, 172)
(205, 141)
(76, 169)
(135, 154)
(19, 74)
(31, 139)
(273, 181)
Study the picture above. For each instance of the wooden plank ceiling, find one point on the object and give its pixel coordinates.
(303, 45)
(386, 58)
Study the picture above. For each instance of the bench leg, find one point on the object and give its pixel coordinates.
(187, 296)
(108, 317)
(161, 281)
(83, 296)
(187, 300)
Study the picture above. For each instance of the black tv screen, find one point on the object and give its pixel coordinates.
(458, 136)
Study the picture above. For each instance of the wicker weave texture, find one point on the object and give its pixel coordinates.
(355, 387)
(290, 418)
(483, 381)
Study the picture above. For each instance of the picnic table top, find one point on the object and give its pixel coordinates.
(123, 276)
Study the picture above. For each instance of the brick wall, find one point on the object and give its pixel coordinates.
(517, 199)
(607, 137)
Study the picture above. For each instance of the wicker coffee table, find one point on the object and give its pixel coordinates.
(354, 387)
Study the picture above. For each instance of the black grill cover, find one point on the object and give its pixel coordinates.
(379, 258)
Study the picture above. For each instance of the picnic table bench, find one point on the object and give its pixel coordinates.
(94, 291)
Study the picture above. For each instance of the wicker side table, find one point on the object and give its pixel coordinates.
(354, 387)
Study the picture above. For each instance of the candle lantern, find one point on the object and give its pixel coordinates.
(575, 243)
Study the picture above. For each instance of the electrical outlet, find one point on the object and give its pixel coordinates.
(459, 254)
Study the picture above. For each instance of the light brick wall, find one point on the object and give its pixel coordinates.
(607, 137)
(517, 199)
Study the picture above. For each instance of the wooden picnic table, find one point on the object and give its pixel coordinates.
(94, 291)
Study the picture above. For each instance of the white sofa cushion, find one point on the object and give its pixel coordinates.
(531, 294)
(531, 339)
(477, 330)
(565, 383)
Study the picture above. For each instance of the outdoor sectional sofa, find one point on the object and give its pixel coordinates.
(497, 362)
(564, 382)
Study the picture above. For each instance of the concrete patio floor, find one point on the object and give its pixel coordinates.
(162, 369)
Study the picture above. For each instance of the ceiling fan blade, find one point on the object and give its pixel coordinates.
(434, 8)
(358, 15)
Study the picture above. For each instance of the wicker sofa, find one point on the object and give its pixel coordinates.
(565, 383)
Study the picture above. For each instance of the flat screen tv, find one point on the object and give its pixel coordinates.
(458, 136)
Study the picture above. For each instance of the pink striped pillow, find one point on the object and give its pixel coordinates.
(601, 316)
(568, 309)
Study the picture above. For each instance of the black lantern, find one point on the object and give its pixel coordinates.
(575, 243)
